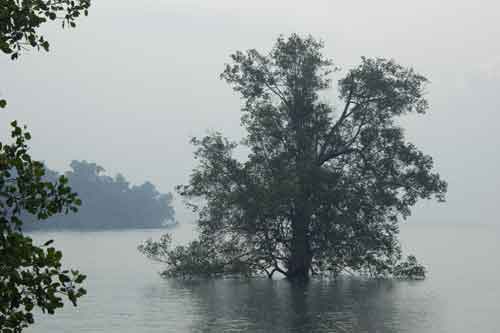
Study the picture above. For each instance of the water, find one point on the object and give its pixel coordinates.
(125, 293)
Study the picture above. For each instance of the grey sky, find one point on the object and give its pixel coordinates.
(129, 86)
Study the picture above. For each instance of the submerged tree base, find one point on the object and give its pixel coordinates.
(201, 260)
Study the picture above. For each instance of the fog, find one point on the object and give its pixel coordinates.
(136, 79)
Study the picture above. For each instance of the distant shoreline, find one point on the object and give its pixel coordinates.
(47, 229)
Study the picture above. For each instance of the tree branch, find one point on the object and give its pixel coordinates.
(347, 148)
(345, 114)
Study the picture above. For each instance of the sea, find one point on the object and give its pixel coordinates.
(126, 294)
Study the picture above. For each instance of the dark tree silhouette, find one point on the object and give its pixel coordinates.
(20, 21)
(30, 275)
(323, 189)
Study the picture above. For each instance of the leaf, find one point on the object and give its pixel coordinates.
(80, 278)
(64, 278)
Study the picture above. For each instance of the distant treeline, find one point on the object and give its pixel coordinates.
(109, 203)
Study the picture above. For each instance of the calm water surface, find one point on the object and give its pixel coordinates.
(125, 293)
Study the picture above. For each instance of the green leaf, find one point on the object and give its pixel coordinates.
(64, 278)
(80, 278)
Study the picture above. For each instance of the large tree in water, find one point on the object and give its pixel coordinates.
(323, 188)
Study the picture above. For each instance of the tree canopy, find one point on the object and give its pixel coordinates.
(30, 275)
(323, 188)
(20, 21)
(109, 202)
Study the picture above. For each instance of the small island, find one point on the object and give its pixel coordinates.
(108, 202)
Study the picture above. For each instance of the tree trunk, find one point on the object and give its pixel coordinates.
(300, 259)
(299, 263)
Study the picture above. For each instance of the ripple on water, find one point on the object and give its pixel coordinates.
(127, 295)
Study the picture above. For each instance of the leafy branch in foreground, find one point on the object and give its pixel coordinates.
(323, 189)
(20, 20)
(31, 276)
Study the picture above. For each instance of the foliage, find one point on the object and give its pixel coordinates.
(30, 275)
(322, 189)
(110, 203)
(21, 19)
(409, 269)
(196, 259)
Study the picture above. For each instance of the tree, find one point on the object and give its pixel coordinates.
(110, 203)
(21, 19)
(322, 190)
(30, 275)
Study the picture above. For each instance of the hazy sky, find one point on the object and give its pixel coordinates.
(129, 86)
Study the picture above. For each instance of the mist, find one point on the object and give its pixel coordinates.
(135, 80)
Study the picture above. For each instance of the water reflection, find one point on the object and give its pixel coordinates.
(126, 295)
(346, 305)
